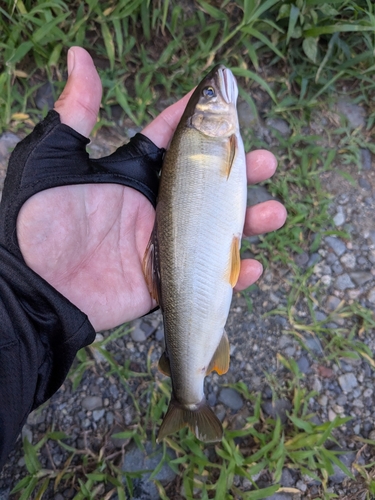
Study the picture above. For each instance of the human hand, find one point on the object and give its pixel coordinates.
(88, 241)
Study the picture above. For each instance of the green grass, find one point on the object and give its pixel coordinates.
(299, 55)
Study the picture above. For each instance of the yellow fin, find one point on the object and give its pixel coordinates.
(232, 148)
(235, 261)
(201, 420)
(220, 360)
(164, 366)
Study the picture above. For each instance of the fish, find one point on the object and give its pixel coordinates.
(192, 261)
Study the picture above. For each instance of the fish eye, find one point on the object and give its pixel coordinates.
(208, 92)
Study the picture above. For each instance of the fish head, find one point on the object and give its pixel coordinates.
(212, 108)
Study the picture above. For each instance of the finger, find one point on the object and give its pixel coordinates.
(79, 102)
(251, 270)
(264, 217)
(160, 130)
(261, 165)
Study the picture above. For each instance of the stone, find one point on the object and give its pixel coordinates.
(366, 159)
(246, 116)
(332, 303)
(355, 114)
(286, 479)
(280, 496)
(138, 335)
(336, 244)
(347, 458)
(314, 259)
(347, 381)
(364, 183)
(92, 402)
(371, 296)
(137, 460)
(257, 194)
(45, 98)
(361, 277)
(8, 141)
(279, 125)
(4, 493)
(339, 219)
(98, 414)
(313, 344)
(303, 364)
(231, 398)
(348, 260)
(277, 408)
(344, 282)
(301, 259)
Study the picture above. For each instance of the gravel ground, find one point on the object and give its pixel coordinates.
(345, 271)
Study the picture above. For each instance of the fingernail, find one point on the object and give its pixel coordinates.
(71, 60)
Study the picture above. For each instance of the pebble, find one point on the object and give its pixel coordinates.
(137, 460)
(347, 458)
(280, 125)
(277, 408)
(301, 259)
(92, 402)
(364, 184)
(337, 245)
(98, 414)
(257, 194)
(332, 303)
(344, 282)
(313, 344)
(303, 364)
(347, 381)
(355, 114)
(365, 159)
(348, 260)
(339, 219)
(231, 398)
(361, 277)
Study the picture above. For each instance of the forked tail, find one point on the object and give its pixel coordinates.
(200, 419)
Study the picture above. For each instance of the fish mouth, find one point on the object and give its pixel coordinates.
(228, 85)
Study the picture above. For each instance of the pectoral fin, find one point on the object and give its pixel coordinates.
(220, 360)
(232, 149)
(164, 366)
(235, 261)
(151, 267)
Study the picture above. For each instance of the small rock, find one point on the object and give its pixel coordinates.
(231, 398)
(137, 460)
(98, 414)
(339, 219)
(45, 96)
(4, 493)
(303, 364)
(257, 194)
(348, 260)
(344, 282)
(280, 125)
(361, 277)
(347, 458)
(286, 479)
(277, 408)
(314, 259)
(301, 259)
(92, 402)
(337, 245)
(280, 496)
(355, 114)
(332, 303)
(27, 433)
(364, 184)
(8, 141)
(313, 344)
(246, 116)
(366, 159)
(348, 381)
(317, 385)
(371, 296)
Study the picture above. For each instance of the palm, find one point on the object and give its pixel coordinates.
(88, 242)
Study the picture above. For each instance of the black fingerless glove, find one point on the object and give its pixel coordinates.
(40, 330)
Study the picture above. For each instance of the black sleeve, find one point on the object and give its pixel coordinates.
(40, 330)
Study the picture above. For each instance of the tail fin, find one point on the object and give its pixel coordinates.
(201, 421)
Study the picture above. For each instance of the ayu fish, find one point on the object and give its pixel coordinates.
(192, 261)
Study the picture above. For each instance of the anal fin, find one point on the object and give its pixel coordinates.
(220, 361)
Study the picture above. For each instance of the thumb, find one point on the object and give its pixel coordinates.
(78, 105)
